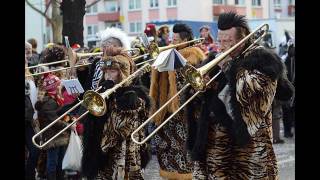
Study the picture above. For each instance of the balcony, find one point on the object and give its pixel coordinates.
(218, 9)
(109, 17)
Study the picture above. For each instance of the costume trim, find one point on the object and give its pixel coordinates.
(175, 175)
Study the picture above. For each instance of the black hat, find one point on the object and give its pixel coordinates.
(184, 30)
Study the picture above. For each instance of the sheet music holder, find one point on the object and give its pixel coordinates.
(169, 60)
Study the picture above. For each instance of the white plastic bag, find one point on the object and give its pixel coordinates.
(72, 158)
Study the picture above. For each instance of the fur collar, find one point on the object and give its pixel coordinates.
(164, 85)
(264, 61)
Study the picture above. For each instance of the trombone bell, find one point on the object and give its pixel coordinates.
(194, 77)
(94, 103)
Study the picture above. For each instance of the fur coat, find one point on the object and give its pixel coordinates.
(99, 143)
(235, 120)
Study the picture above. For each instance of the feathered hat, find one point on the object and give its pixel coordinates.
(115, 33)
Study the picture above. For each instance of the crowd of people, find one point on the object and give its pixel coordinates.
(226, 132)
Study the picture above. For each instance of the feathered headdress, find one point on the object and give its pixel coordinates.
(115, 33)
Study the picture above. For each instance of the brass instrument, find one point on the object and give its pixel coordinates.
(95, 102)
(195, 76)
(153, 49)
(134, 53)
(55, 121)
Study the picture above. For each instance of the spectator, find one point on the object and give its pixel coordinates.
(208, 44)
(163, 36)
(34, 59)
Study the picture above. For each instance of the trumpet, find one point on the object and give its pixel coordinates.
(194, 77)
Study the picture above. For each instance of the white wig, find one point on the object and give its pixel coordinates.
(115, 33)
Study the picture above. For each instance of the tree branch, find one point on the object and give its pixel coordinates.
(93, 3)
(48, 5)
(40, 12)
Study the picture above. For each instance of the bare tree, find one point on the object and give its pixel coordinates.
(74, 24)
(73, 12)
(55, 20)
(93, 3)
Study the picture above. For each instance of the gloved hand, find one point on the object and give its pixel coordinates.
(128, 100)
(107, 84)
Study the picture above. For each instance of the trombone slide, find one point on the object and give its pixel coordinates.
(170, 117)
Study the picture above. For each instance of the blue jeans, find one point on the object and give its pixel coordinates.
(54, 159)
(33, 153)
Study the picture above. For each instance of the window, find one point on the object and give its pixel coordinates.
(111, 6)
(256, 2)
(93, 9)
(112, 24)
(218, 2)
(291, 2)
(172, 3)
(154, 4)
(277, 3)
(239, 2)
(134, 4)
(135, 27)
(92, 30)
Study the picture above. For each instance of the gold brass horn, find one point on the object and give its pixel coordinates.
(93, 101)
(194, 78)
(96, 103)
(40, 146)
(154, 50)
(84, 62)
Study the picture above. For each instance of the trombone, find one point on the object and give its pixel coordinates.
(194, 78)
(95, 102)
(133, 52)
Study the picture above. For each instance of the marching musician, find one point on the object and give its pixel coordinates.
(108, 151)
(109, 37)
(170, 140)
(232, 138)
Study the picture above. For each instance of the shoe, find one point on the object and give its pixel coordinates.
(278, 141)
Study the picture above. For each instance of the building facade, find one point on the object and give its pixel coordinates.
(133, 15)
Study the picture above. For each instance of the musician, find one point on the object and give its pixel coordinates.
(108, 151)
(232, 138)
(170, 140)
(109, 37)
